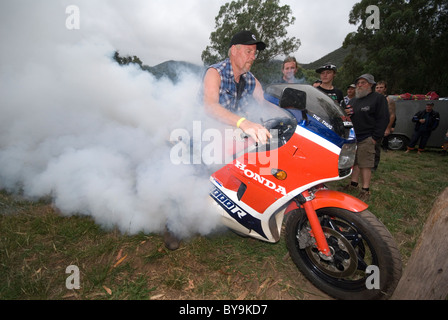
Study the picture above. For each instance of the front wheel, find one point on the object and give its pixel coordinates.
(365, 262)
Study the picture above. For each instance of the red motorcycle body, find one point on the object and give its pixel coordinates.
(254, 198)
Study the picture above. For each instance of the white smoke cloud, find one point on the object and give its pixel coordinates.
(93, 135)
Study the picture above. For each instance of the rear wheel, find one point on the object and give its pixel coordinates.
(365, 262)
(397, 142)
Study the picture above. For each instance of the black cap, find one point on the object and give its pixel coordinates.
(247, 38)
(327, 66)
(430, 103)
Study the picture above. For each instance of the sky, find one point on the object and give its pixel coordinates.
(97, 137)
(157, 31)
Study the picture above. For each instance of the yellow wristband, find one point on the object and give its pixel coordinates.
(240, 122)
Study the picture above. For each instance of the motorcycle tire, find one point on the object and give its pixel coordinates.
(365, 263)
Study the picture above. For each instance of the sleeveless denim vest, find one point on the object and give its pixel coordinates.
(228, 90)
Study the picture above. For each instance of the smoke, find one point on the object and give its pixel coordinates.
(94, 136)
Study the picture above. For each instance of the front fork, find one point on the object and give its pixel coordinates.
(316, 227)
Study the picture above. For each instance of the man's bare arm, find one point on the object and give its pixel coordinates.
(212, 83)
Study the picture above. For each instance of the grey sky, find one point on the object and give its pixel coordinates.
(156, 30)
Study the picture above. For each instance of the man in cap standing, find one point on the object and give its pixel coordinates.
(426, 121)
(327, 73)
(369, 113)
(351, 89)
(229, 86)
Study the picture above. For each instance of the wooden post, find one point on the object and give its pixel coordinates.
(426, 275)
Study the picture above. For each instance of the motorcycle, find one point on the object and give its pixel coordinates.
(332, 237)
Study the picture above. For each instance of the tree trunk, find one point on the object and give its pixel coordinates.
(426, 274)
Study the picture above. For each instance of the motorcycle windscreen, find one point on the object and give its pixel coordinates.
(309, 104)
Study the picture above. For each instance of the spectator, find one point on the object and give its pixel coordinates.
(381, 88)
(327, 73)
(445, 145)
(426, 121)
(370, 115)
(290, 68)
(351, 89)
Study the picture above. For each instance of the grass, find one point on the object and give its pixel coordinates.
(37, 244)
(404, 189)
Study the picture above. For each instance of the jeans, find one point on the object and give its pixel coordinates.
(423, 136)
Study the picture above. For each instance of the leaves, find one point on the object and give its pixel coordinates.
(108, 290)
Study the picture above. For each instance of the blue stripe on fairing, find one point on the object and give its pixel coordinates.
(318, 128)
(272, 99)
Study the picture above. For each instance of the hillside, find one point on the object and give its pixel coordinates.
(172, 69)
(336, 57)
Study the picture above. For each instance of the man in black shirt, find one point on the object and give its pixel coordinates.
(369, 113)
(327, 73)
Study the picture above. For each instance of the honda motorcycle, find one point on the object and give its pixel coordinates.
(332, 237)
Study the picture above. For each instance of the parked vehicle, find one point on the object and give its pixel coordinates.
(404, 128)
(332, 237)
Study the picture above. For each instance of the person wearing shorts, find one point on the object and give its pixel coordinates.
(365, 156)
(369, 113)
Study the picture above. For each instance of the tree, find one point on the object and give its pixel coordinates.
(407, 50)
(127, 60)
(265, 18)
(426, 276)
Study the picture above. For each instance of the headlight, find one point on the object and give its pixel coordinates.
(347, 157)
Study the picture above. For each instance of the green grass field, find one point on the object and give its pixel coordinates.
(37, 244)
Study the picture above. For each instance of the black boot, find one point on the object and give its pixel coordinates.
(171, 241)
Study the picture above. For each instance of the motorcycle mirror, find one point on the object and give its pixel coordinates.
(293, 98)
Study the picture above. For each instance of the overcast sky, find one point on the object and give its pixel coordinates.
(157, 30)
